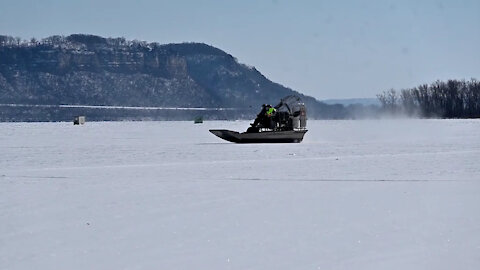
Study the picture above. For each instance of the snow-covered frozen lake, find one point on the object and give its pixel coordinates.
(379, 194)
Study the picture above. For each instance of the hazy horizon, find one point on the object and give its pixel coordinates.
(329, 50)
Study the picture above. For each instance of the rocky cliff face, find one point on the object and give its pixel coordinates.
(91, 70)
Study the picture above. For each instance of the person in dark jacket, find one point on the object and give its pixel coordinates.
(265, 117)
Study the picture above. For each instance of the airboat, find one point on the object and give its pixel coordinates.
(286, 125)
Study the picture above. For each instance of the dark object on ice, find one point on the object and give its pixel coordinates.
(79, 120)
(284, 123)
(198, 120)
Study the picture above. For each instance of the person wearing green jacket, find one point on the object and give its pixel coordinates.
(265, 117)
(270, 111)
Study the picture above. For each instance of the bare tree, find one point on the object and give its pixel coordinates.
(451, 99)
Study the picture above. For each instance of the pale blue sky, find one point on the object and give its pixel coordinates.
(327, 49)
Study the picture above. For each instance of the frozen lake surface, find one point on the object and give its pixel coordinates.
(397, 194)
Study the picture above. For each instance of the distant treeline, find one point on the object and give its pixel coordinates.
(62, 41)
(451, 99)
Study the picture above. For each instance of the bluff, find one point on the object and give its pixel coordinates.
(92, 70)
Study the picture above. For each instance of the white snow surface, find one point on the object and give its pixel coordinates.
(376, 194)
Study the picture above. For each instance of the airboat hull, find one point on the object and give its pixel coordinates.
(291, 136)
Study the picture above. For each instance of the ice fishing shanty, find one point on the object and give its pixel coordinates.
(287, 124)
(79, 120)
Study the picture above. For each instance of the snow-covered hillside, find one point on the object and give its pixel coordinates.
(399, 194)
